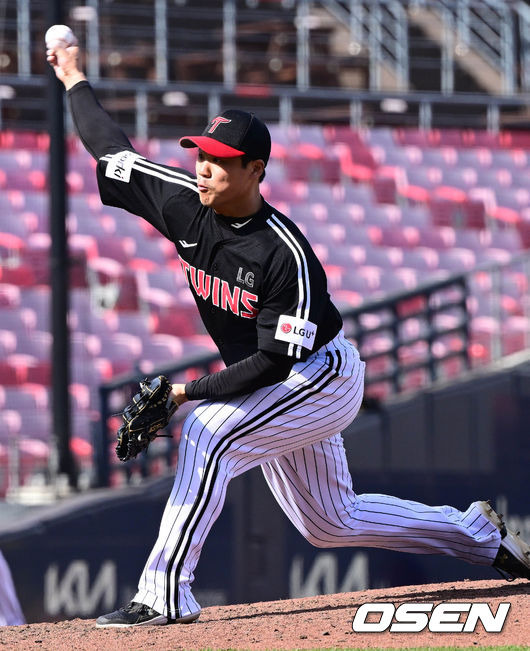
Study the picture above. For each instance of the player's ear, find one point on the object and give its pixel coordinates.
(258, 167)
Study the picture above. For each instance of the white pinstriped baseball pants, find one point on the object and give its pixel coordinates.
(291, 430)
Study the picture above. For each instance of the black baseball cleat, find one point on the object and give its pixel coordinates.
(134, 614)
(513, 557)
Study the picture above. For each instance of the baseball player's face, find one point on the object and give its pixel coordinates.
(225, 185)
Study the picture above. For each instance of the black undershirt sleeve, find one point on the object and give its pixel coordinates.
(97, 131)
(259, 370)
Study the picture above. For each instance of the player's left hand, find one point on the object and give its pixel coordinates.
(148, 412)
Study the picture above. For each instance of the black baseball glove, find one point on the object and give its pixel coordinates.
(147, 413)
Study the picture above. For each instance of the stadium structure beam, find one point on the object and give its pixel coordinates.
(62, 461)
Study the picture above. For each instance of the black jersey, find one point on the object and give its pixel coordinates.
(257, 283)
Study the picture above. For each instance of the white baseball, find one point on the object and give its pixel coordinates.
(59, 36)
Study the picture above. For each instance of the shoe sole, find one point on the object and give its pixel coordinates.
(156, 621)
(512, 541)
(187, 619)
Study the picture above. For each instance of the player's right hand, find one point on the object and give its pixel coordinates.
(64, 62)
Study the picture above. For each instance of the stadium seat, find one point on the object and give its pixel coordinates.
(11, 201)
(409, 136)
(384, 215)
(408, 156)
(18, 226)
(421, 258)
(163, 348)
(485, 338)
(28, 140)
(80, 396)
(85, 346)
(8, 343)
(356, 193)
(318, 192)
(11, 248)
(141, 324)
(36, 424)
(123, 350)
(327, 234)
(470, 238)
(350, 256)
(12, 371)
(10, 425)
(400, 236)
(508, 239)
(37, 255)
(89, 223)
(443, 157)
(169, 279)
(475, 157)
(119, 248)
(463, 178)
(38, 344)
(39, 371)
(385, 257)
(439, 238)
(18, 319)
(175, 318)
(385, 189)
(92, 373)
(21, 275)
(515, 334)
(445, 212)
(417, 216)
(112, 285)
(457, 259)
(474, 213)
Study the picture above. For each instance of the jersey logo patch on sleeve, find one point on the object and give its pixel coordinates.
(296, 331)
(120, 165)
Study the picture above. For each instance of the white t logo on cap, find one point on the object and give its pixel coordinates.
(216, 122)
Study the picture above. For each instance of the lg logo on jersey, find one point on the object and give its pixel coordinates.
(248, 278)
(416, 617)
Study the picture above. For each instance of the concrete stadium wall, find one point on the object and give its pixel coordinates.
(452, 445)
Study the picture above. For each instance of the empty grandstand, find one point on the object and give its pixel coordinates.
(394, 151)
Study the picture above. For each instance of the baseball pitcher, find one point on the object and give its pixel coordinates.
(292, 381)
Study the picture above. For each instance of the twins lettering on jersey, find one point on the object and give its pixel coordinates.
(296, 331)
(239, 301)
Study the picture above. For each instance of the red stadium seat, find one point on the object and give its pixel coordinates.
(515, 334)
(474, 213)
(385, 189)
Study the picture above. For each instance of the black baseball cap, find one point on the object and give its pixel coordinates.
(231, 134)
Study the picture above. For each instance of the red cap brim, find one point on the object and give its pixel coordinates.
(210, 146)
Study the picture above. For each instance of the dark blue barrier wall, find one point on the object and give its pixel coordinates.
(454, 445)
(85, 557)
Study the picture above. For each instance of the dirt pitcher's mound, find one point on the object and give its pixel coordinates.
(314, 622)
